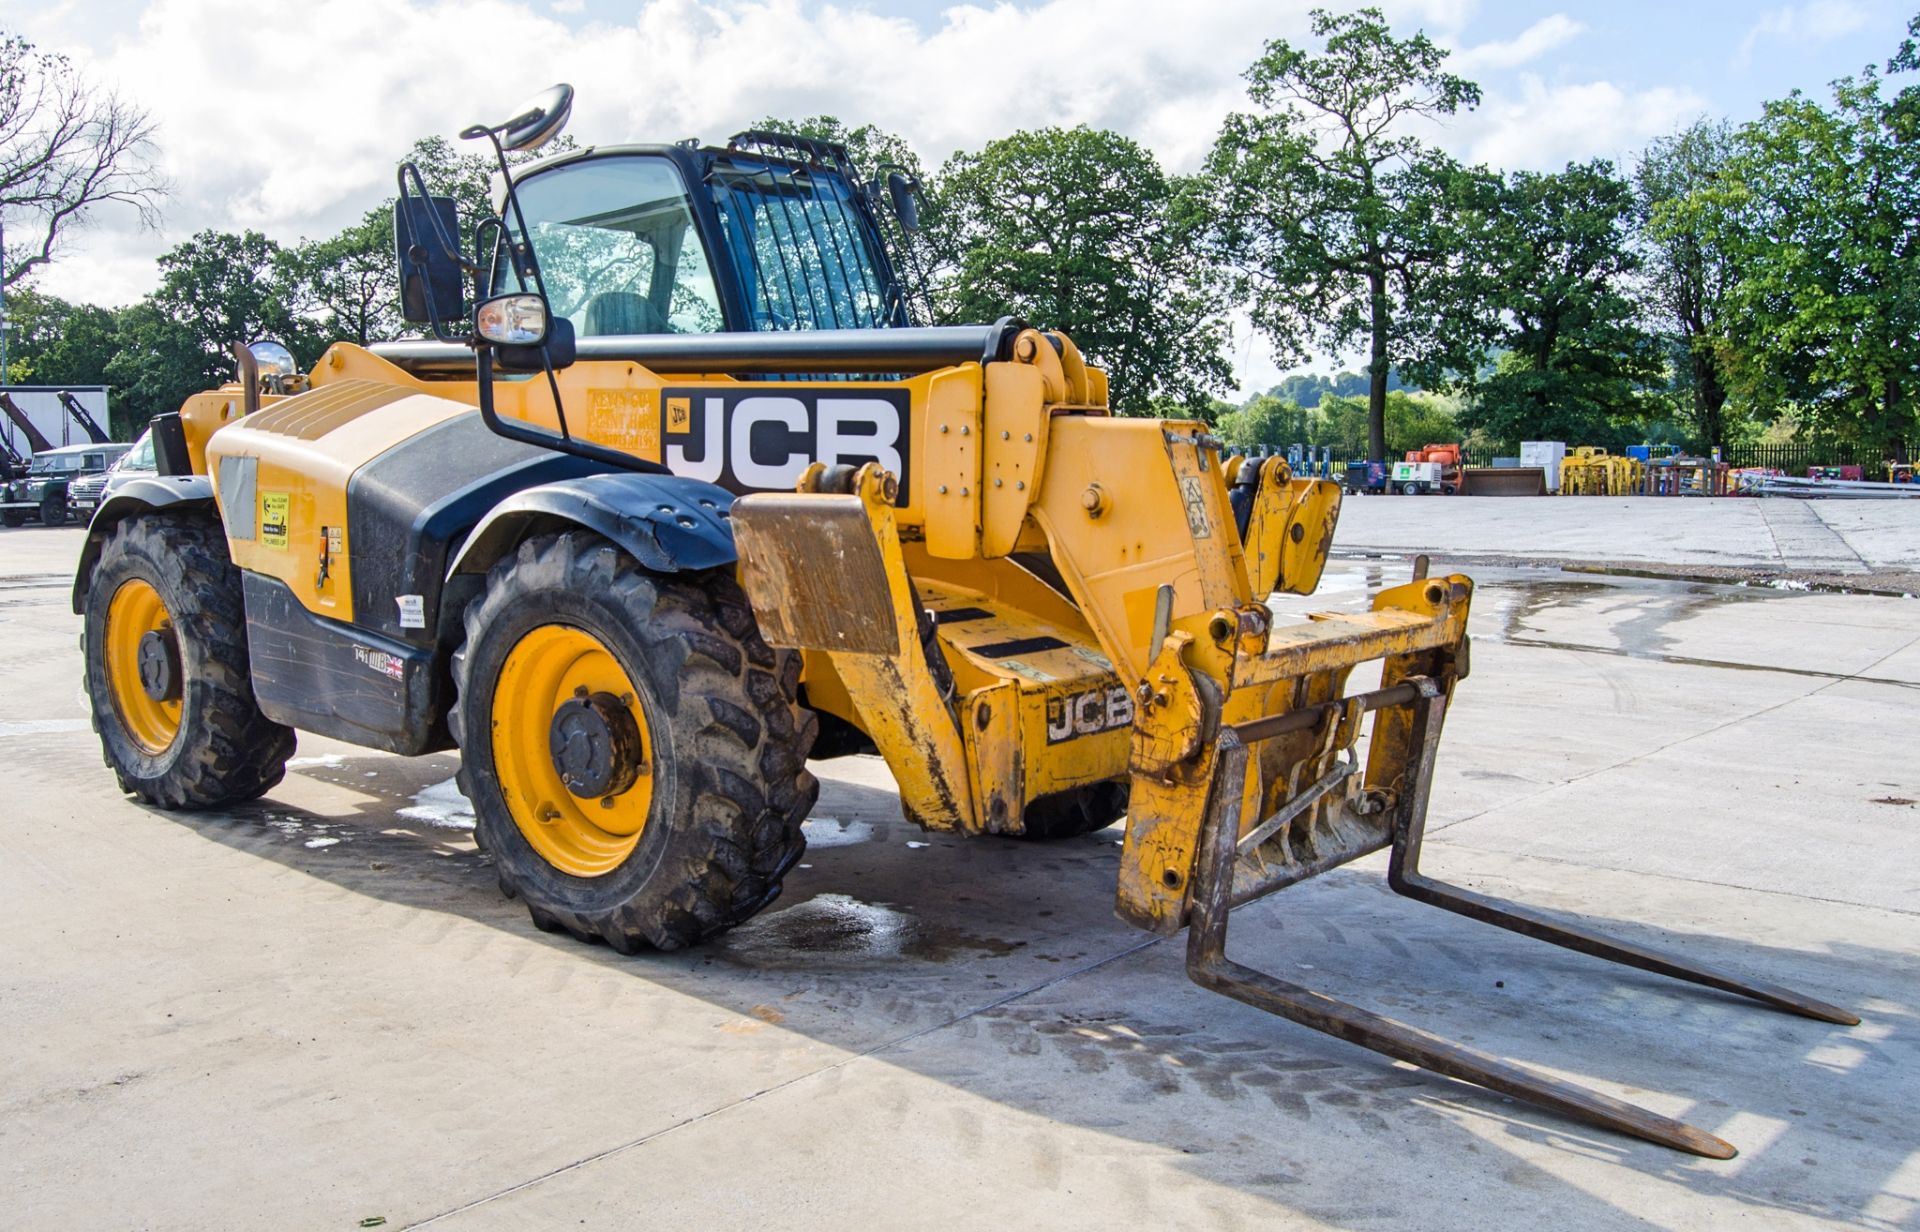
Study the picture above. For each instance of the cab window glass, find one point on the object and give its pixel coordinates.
(618, 248)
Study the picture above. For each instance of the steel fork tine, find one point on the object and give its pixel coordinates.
(1403, 874)
(1208, 966)
(1529, 924)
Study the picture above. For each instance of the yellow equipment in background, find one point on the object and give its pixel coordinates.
(1591, 471)
(638, 568)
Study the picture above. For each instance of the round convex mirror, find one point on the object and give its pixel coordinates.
(539, 119)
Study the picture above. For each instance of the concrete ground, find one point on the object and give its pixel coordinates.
(1848, 539)
(317, 1011)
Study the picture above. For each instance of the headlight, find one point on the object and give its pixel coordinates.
(512, 320)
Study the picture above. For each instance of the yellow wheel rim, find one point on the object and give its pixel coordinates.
(550, 668)
(136, 611)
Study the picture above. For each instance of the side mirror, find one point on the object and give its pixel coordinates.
(518, 320)
(902, 192)
(426, 242)
(524, 336)
(538, 120)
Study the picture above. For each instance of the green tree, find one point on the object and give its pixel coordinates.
(216, 289)
(1332, 212)
(1689, 273)
(1821, 206)
(347, 285)
(1552, 262)
(1264, 420)
(53, 342)
(1301, 389)
(1412, 420)
(1080, 230)
(350, 282)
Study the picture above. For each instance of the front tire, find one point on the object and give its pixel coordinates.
(582, 673)
(167, 670)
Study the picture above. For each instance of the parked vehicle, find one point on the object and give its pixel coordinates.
(43, 492)
(86, 493)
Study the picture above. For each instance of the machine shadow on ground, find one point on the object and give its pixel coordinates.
(889, 940)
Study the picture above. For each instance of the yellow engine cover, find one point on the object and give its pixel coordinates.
(280, 476)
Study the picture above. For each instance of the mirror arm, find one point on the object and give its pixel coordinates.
(517, 430)
(525, 263)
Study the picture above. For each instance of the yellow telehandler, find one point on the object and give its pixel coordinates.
(685, 498)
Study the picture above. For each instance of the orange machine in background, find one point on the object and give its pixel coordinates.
(1448, 456)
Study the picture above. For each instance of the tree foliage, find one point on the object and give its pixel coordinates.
(1550, 266)
(216, 289)
(1080, 230)
(1339, 422)
(1819, 206)
(1334, 215)
(1689, 275)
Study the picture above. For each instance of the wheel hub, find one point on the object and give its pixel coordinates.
(159, 665)
(595, 745)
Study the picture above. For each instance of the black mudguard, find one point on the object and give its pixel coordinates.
(670, 524)
(181, 491)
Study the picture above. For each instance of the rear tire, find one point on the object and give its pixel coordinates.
(1071, 813)
(53, 509)
(724, 739)
(223, 750)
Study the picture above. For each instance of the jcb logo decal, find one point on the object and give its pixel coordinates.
(1088, 714)
(760, 438)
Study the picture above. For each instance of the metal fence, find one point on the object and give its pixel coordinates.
(1794, 459)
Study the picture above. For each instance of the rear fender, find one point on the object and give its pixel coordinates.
(670, 524)
(140, 496)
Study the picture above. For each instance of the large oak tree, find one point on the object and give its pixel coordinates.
(1334, 213)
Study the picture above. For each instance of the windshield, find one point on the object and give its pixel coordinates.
(55, 463)
(618, 249)
(140, 457)
(805, 259)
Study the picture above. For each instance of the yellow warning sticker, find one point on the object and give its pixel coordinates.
(273, 519)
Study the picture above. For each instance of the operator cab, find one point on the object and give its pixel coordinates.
(773, 243)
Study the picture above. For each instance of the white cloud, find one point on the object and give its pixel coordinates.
(1818, 21)
(292, 123)
(1542, 127)
(1530, 44)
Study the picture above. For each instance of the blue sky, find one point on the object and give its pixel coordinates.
(288, 117)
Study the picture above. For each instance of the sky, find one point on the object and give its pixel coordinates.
(288, 116)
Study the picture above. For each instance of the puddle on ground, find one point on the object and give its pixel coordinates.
(843, 930)
(441, 805)
(1652, 609)
(832, 832)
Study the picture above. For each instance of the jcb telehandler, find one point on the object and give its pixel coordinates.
(687, 498)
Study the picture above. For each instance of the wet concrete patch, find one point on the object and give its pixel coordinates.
(839, 930)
